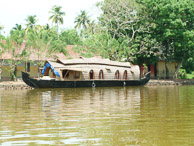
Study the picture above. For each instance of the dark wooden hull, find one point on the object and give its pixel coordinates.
(35, 83)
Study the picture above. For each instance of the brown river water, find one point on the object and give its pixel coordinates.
(121, 116)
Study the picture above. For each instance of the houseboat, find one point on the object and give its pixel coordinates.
(86, 72)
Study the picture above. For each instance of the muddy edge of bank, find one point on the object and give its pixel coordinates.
(10, 85)
(170, 82)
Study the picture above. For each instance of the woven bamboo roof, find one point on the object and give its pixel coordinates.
(94, 61)
(86, 67)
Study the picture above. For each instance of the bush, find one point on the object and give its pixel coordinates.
(70, 37)
(182, 74)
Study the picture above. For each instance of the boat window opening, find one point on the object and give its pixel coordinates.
(101, 75)
(125, 75)
(108, 70)
(117, 75)
(65, 73)
(54, 76)
(133, 74)
(46, 73)
(28, 67)
(76, 75)
(91, 73)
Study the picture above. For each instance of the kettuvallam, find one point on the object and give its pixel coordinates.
(87, 72)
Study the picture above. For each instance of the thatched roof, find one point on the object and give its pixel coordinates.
(86, 64)
(94, 60)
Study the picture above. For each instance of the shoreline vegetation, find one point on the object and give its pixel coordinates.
(11, 85)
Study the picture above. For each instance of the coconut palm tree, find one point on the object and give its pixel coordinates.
(82, 20)
(31, 21)
(92, 27)
(57, 16)
(17, 27)
(1, 28)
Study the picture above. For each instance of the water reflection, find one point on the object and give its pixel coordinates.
(76, 102)
(98, 116)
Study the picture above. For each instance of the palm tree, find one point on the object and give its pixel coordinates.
(1, 28)
(92, 26)
(47, 27)
(31, 21)
(82, 20)
(18, 27)
(57, 16)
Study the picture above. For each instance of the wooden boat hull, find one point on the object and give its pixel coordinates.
(36, 83)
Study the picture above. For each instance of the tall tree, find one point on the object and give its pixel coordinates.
(13, 45)
(2, 57)
(57, 16)
(31, 21)
(18, 27)
(92, 28)
(82, 20)
(173, 26)
(122, 19)
(36, 42)
(2, 50)
(1, 27)
(44, 43)
(70, 36)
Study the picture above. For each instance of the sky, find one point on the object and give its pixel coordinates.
(16, 11)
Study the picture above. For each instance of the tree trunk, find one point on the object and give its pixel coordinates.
(0, 72)
(167, 70)
(175, 76)
(140, 70)
(13, 67)
(58, 29)
(38, 71)
(1, 68)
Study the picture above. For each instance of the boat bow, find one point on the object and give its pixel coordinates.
(145, 79)
(28, 80)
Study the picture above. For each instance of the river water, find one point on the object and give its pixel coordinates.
(121, 116)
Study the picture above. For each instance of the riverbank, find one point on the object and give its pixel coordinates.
(170, 82)
(10, 85)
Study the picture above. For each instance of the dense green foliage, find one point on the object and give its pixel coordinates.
(70, 36)
(123, 20)
(1, 36)
(31, 21)
(184, 75)
(12, 43)
(151, 30)
(173, 27)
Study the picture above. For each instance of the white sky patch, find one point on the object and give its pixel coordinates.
(16, 11)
